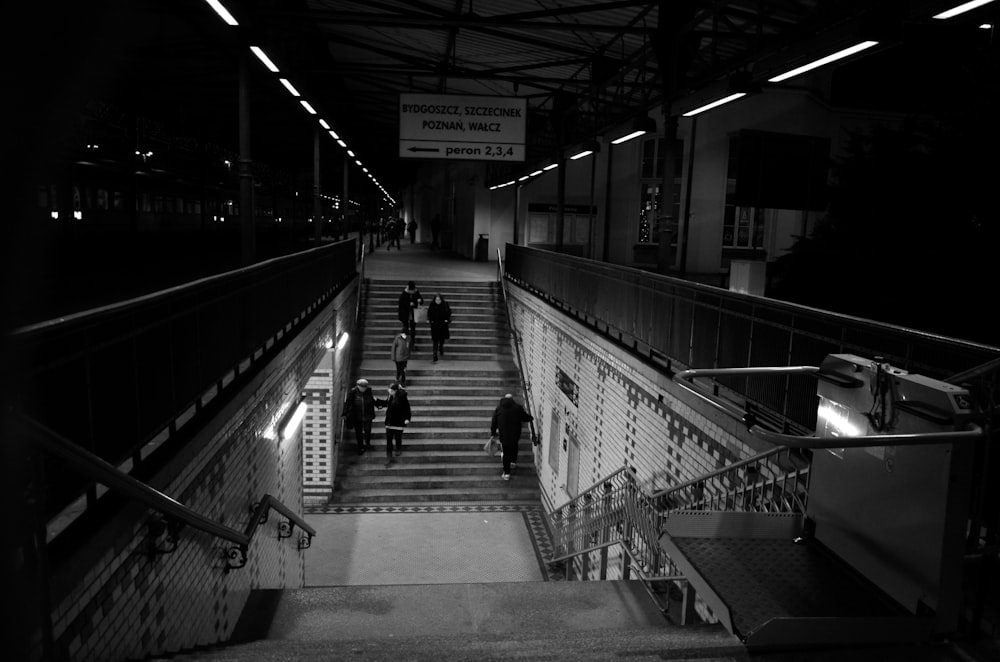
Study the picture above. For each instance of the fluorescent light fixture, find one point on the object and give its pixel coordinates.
(323, 124)
(962, 8)
(309, 109)
(366, 170)
(343, 340)
(521, 179)
(580, 155)
(357, 161)
(537, 172)
(333, 134)
(510, 183)
(262, 56)
(986, 26)
(551, 166)
(839, 55)
(714, 104)
(294, 420)
(350, 153)
(628, 136)
(341, 143)
(288, 86)
(222, 12)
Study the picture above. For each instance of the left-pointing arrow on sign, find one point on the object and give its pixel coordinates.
(424, 149)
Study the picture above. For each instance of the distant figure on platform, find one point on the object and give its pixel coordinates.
(394, 228)
(400, 355)
(411, 229)
(506, 421)
(436, 232)
(439, 316)
(409, 300)
(397, 417)
(359, 412)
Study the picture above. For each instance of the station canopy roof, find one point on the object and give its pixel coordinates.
(582, 66)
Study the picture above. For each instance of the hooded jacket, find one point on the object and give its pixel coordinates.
(507, 419)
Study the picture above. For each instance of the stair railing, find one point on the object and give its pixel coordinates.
(617, 511)
(525, 383)
(176, 514)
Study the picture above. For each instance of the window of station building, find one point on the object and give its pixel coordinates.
(742, 226)
(650, 182)
(543, 225)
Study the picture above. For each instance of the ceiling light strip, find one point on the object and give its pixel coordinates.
(833, 57)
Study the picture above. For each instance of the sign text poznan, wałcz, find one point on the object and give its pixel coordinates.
(443, 126)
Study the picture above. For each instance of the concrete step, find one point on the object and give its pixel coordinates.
(437, 440)
(553, 621)
(374, 465)
(440, 482)
(502, 490)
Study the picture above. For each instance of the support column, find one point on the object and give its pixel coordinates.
(317, 203)
(560, 203)
(685, 233)
(345, 206)
(248, 238)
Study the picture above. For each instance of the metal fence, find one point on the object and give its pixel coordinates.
(682, 325)
(112, 378)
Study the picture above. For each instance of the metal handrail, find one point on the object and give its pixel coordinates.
(972, 433)
(718, 472)
(517, 347)
(105, 473)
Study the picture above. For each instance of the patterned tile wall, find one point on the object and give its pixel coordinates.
(325, 394)
(625, 412)
(131, 604)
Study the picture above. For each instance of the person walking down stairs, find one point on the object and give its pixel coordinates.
(400, 355)
(507, 420)
(397, 417)
(439, 316)
(409, 300)
(359, 413)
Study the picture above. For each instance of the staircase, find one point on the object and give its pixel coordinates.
(452, 400)
(579, 621)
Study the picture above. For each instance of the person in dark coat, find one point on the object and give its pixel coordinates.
(359, 412)
(393, 230)
(409, 299)
(439, 316)
(507, 419)
(397, 417)
(400, 354)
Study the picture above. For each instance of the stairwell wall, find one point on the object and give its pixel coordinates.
(613, 410)
(126, 603)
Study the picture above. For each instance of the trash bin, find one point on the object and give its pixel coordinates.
(483, 248)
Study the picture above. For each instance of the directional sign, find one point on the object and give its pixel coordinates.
(449, 126)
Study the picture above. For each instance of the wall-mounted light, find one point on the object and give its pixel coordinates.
(343, 340)
(291, 424)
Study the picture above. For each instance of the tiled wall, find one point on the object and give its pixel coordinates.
(130, 604)
(325, 395)
(613, 410)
